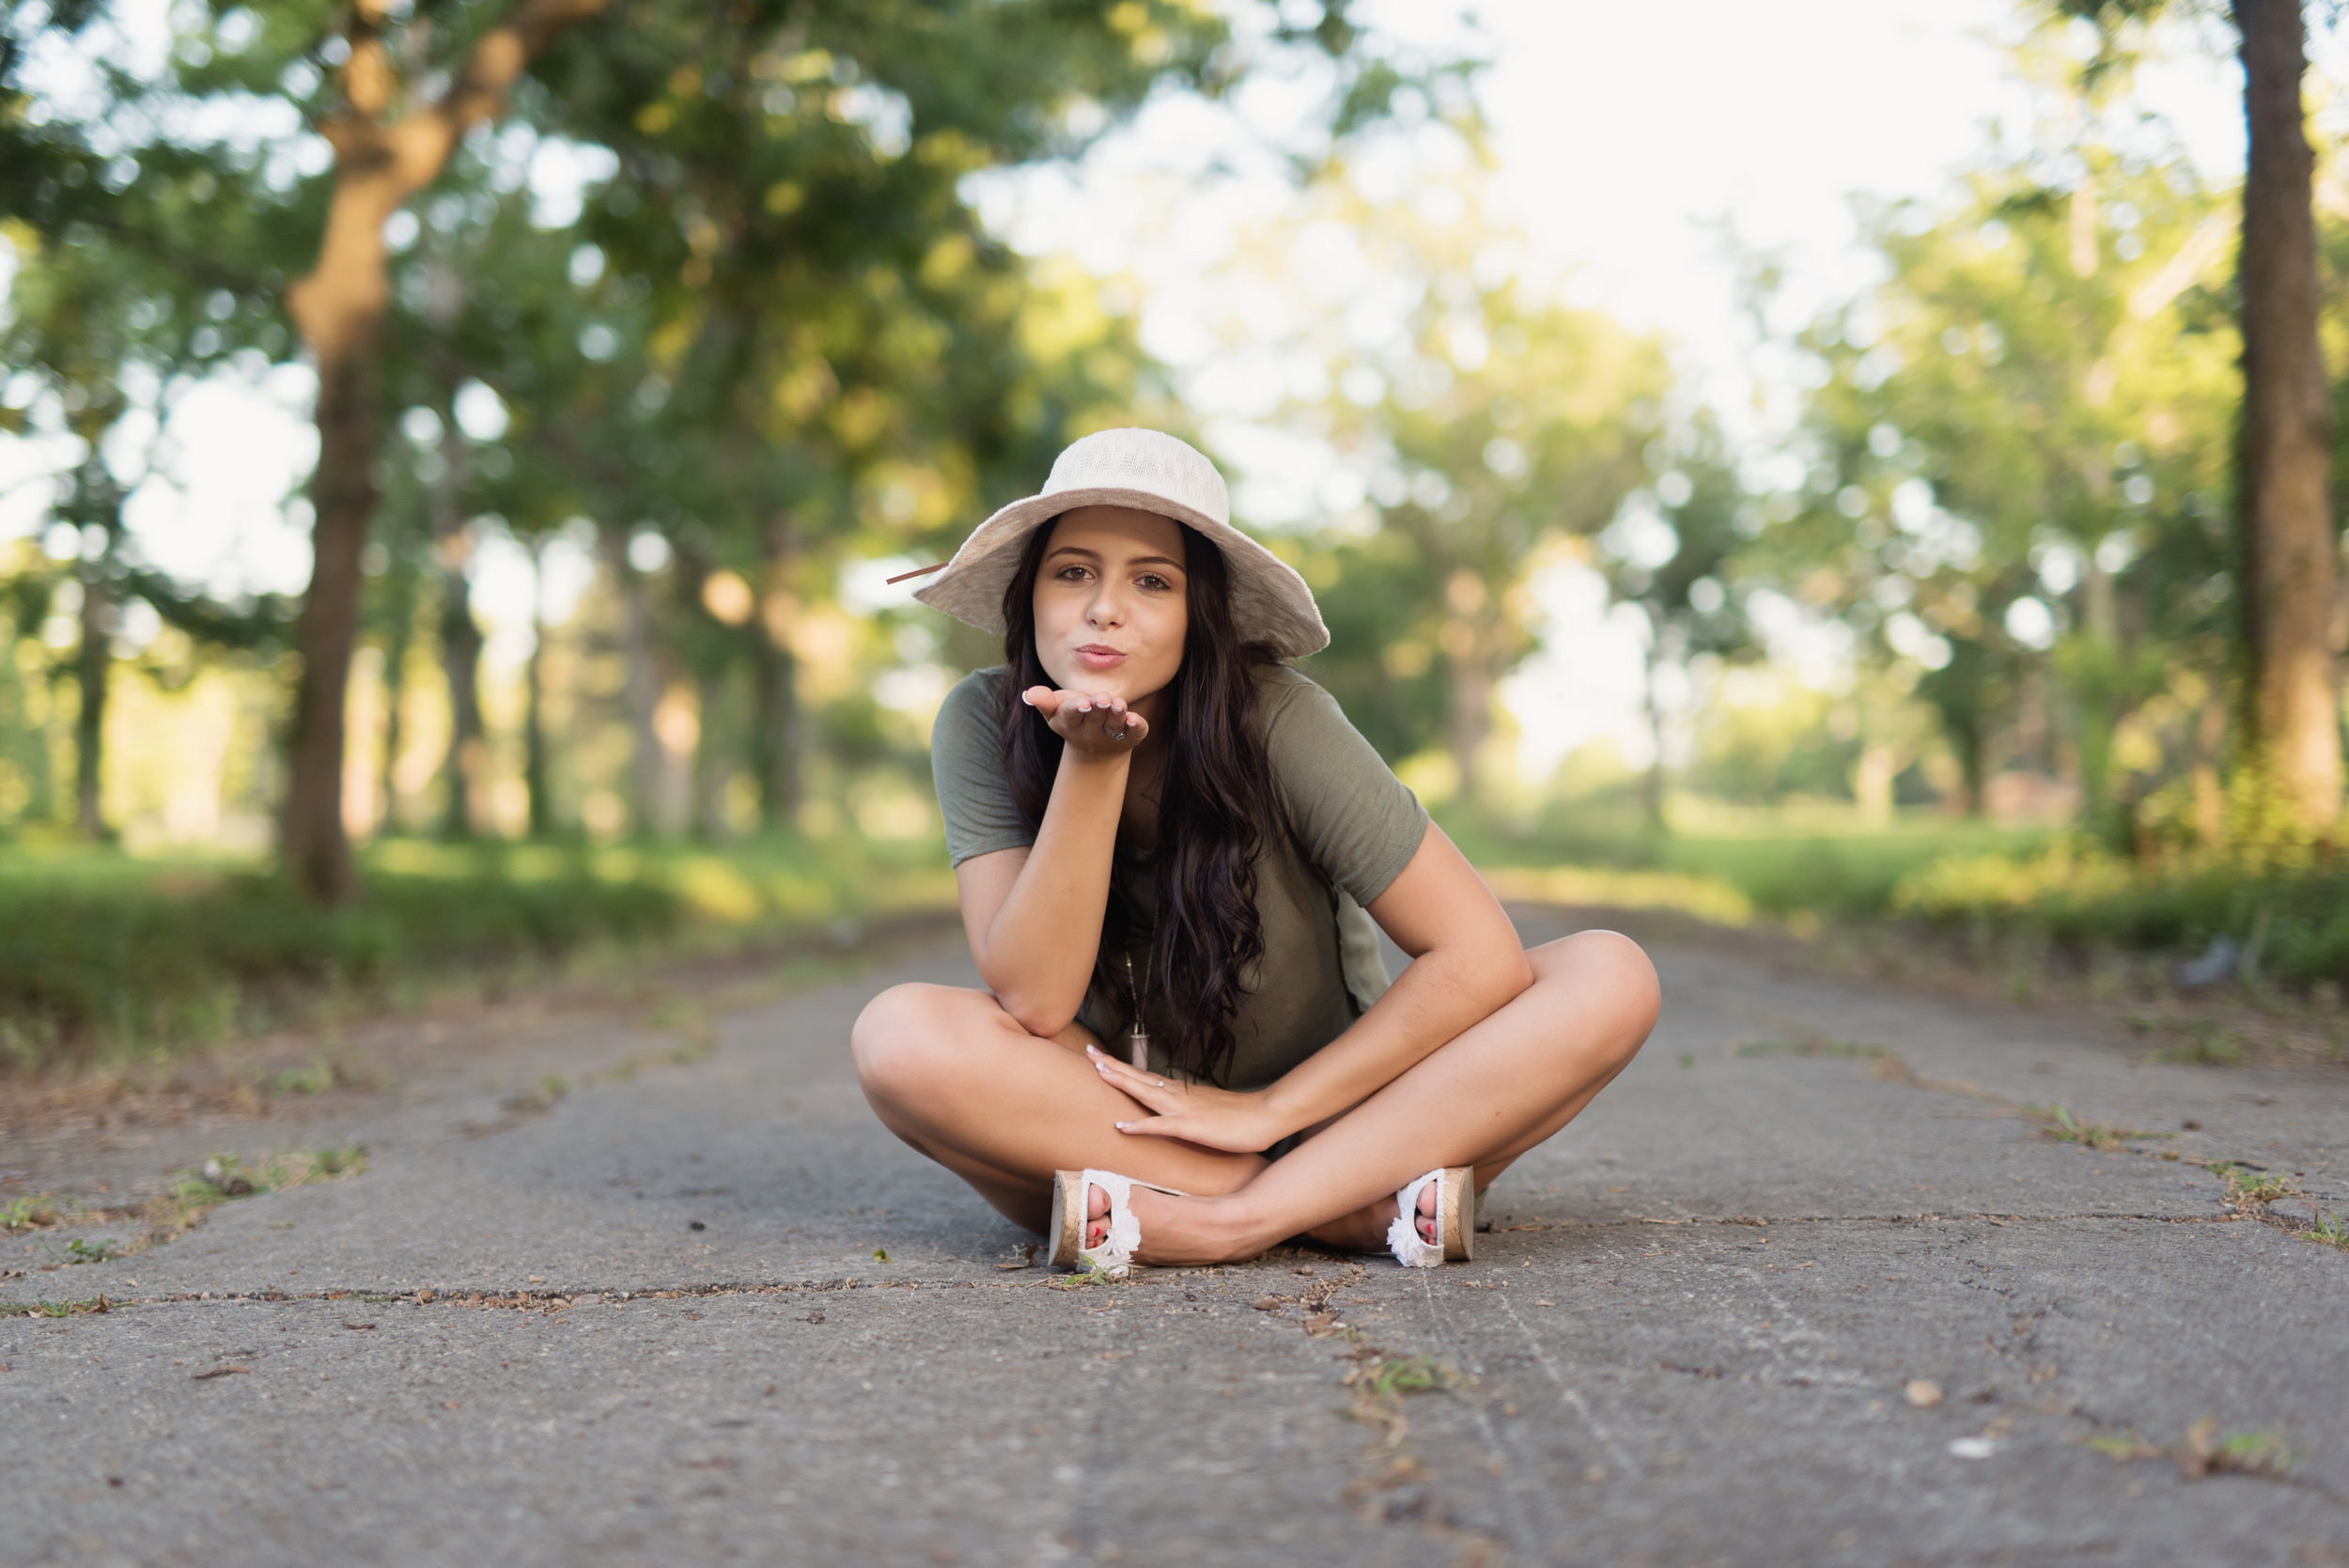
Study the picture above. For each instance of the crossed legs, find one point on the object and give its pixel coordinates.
(950, 1073)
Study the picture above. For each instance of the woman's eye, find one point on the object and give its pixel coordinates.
(1070, 574)
(1153, 581)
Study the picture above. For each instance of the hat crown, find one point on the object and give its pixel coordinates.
(1151, 461)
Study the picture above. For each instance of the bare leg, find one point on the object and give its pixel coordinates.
(950, 1072)
(953, 1074)
(1502, 1086)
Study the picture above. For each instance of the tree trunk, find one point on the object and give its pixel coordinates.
(2287, 533)
(2210, 797)
(93, 665)
(1652, 786)
(343, 496)
(396, 635)
(535, 772)
(338, 307)
(642, 694)
(710, 773)
(460, 656)
(780, 741)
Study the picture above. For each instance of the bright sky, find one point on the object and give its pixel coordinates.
(1626, 135)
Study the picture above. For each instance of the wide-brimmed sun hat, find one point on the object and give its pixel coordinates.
(1151, 472)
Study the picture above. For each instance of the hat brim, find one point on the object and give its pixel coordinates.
(1270, 603)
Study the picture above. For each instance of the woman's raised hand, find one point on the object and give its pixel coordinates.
(1095, 722)
(1240, 1123)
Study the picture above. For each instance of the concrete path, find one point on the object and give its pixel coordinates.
(710, 1311)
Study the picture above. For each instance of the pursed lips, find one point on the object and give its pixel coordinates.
(1101, 655)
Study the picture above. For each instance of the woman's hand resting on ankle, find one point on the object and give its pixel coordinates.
(1236, 1122)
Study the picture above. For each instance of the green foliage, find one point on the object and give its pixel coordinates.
(2017, 474)
(1496, 432)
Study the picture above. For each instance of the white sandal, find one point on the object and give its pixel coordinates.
(1455, 1219)
(1067, 1227)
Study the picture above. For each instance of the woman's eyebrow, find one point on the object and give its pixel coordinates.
(1155, 561)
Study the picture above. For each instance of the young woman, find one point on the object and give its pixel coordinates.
(1166, 840)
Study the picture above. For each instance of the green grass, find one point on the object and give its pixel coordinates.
(1775, 863)
(2290, 916)
(104, 956)
(1994, 890)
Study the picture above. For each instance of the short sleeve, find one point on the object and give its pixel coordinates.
(967, 764)
(1352, 816)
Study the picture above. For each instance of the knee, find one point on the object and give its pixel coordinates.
(898, 1041)
(1609, 972)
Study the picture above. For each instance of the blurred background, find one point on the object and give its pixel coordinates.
(1784, 464)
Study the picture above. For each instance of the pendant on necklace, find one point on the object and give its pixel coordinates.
(1137, 1045)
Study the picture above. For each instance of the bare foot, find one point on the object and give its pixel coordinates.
(1174, 1229)
(1183, 1230)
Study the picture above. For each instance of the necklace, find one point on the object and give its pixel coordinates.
(1137, 1042)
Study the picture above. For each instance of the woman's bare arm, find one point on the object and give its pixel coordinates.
(1467, 962)
(1034, 915)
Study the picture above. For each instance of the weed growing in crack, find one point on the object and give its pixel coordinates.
(315, 1079)
(40, 1212)
(683, 1018)
(1080, 1279)
(550, 1090)
(2329, 1229)
(1810, 1045)
(2208, 1042)
(2246, 1188)
(2060, 1124)
(2205, 1451)
(195, 1194)
(2208, 1452)
(1380, 1381)
(54, 1308)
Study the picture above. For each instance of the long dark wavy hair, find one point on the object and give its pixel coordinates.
(1215, 807)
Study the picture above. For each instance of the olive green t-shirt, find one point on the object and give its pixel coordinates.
(1349, 828)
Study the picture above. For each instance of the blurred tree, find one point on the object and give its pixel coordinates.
(2287, 537)
(2013, 455)
(846, 357)
(1668, 553)
(103, 336)
(393, 131)
(1493, 425)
